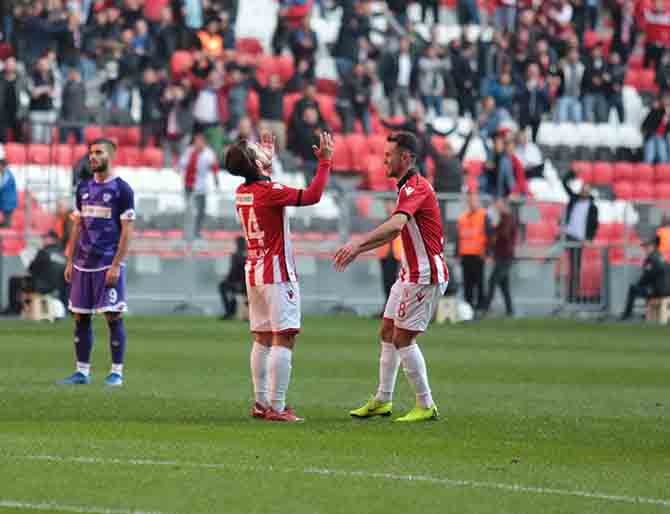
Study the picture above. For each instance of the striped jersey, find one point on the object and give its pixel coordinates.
(261, 208)
(422, 236)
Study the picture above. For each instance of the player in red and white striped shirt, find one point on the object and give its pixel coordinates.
(422, 280)
(272, 282)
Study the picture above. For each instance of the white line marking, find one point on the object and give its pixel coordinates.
(475, 484)
(51, 506)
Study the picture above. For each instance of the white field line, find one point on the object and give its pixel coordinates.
(474, 484)
(51, 506)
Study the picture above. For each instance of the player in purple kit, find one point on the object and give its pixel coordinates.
(101, 233)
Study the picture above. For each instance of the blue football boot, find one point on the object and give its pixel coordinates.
(114, 380)
(77, 378)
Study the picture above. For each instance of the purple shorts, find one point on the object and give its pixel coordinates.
(88, 293)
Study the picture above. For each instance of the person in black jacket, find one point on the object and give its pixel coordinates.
(48, 267)
(654, 281)
(353, 100)
(614, 77)
(655, 129)
(398, 75)
(234, 283)
(533, 100)
(466, 79)
(271, 99)
(580, 225)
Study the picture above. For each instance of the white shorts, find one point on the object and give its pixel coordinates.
(274, 308)
(411, 306)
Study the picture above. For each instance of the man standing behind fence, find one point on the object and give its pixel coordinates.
(474, 228)
(580, 225)
(197, 161)
(503, 241)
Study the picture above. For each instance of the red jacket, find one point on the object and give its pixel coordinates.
(520, 177)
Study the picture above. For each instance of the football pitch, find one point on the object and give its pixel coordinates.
(538, 416)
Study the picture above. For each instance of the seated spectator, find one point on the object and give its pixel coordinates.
(530, 156)
(654, 281)
(234, 284)
(271, 99)
(12, 86)
(655, 129)
(432, 88)
(594, 88)
(73, 108)
(8, 195)
(568, 106)
(353, 99)
(614, 78)
(48, 267)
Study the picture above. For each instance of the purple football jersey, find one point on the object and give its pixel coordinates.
(101, 207)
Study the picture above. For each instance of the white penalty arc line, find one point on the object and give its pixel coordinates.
(474, 484)
(51, 506)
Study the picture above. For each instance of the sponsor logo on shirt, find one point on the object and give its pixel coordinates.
(96, 211)
(245, 198)
(106, 197)
(409, 190)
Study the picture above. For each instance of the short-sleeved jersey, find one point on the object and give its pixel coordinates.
(422, 236)
(261, 209)
(101, 206)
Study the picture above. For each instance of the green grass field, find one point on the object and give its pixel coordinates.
(542, 416)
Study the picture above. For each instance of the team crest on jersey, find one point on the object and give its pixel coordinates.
(291, 294)
(106, 197)
(409, 190)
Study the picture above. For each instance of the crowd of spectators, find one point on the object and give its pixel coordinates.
(63, 60)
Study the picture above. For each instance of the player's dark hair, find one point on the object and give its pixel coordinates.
(111, 145)
(240, 160)
(404, 140)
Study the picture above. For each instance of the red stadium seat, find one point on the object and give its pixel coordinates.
(591, 38)
(16, 153)
(643, 191)
(636, 61)
(78, 151)
(289, 105)
(286, 68)
(648, 81)
(130, 136)
(12, 246)
(363, 205)
(662, 173)
(377, 179)
(93, 132)
(550, 211)
(327, 108)
(632, 78)
(152, 157)
(326, 86)
(39, 154)
(357, 145)
(342, 158)
(249, 45)
(181, 62)
(623, 190)
(584, 170)
(662, 191)
(623, 172)
(591, 279)
(253, 106)
(643, 172)
(473, 168)
(602, 173)
(541, 233)
(376, 144)
(130, 156)
(62, 155)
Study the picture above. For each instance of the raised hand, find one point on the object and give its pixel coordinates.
(326, 146)
(268, 144)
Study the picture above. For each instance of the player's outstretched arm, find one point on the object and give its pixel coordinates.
(384, 233)
(324, 152)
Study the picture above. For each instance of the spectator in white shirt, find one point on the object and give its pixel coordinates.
(195, 165)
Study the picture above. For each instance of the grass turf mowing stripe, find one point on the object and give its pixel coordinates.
(52, 506)
(475, 484)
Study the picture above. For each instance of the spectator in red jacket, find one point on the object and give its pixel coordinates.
(656, 25)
